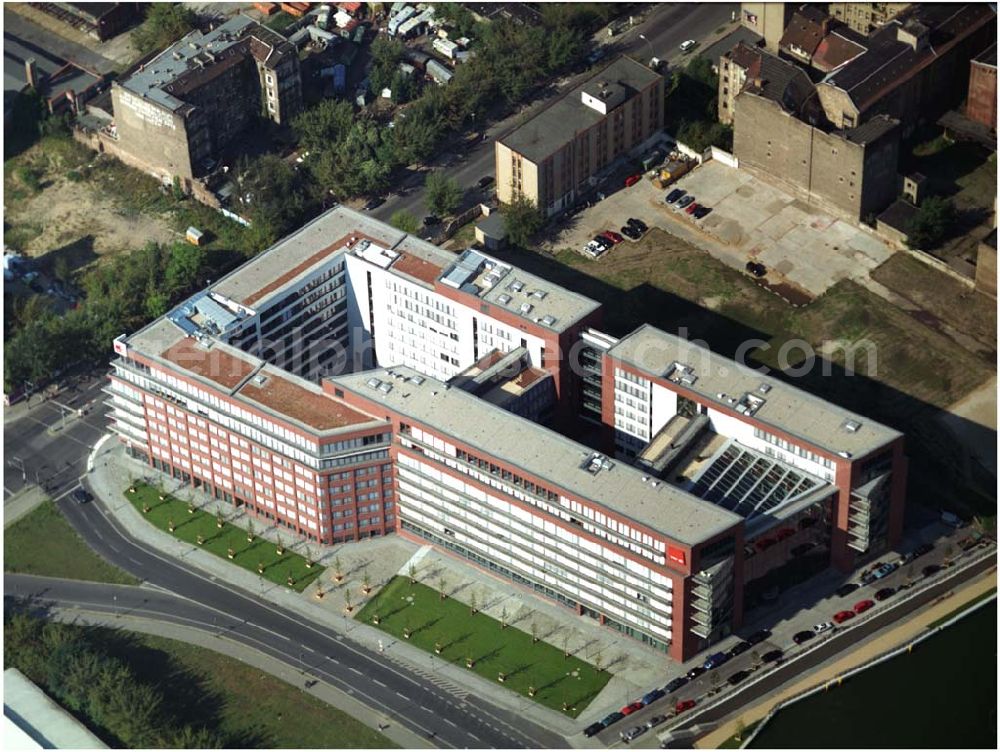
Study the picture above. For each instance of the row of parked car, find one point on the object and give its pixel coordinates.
(601, 244)
(713, 661)
(681, 199)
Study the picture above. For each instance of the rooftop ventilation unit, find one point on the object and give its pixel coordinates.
(764, 388)
(526, 308)
(418, 380)
(851, 426)
(548, 320)
(504, 299)
(749, 404)
(594, 463)
(679, 373)
(260, 379)
(385, 387)
(540, 294)
(374, 383)
(517, 285)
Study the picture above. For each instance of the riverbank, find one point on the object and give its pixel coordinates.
(899, 635)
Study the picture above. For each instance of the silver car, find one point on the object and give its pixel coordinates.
(633, 733)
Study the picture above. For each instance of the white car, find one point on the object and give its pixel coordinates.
(594, 249)
(823, 627)
(688, 45)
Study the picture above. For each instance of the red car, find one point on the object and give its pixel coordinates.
(861, 606)
(764, 543)
(632, 180)
(692, 207)
(631, 708)
(841, 616)
(785, 532)
(613, 236)
(683, 705)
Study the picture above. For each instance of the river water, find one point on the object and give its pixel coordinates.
(943, 694)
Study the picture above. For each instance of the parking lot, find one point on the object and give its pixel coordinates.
(803, 249)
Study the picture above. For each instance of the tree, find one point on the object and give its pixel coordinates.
(716, 680)
(457, 17)
(404, 87)
(183, 267)
(405, 221)
(319, 128)
(442, 587)
(419, 129)
(741, 729)
(522, 220)
(165, 23)
(386, 56)
(442, 194)
(931, 225)
(272, 194)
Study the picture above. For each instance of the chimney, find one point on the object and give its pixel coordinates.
(31, 72)
(826, 26)
(758, 82)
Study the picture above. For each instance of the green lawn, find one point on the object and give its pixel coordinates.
(450, 625)
(43, 543)
(188, 527)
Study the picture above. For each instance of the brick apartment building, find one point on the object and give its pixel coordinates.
(556, 155)
(177, 112)
(714, 483)
(981, 105)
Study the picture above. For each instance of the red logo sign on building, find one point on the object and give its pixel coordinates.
(676, 555)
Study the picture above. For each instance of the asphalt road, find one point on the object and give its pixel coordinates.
(666, 26)
(417, 703)
(49, 445)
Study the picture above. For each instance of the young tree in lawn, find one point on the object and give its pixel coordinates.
(405, 221)
(522, 220)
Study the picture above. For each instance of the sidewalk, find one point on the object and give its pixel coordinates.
(108, 479)
(22, 503)
(894, 637)
(321, 690)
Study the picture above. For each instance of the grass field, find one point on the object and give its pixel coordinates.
(219, 541)
(979, 598)
(942, 297)
(449, 625)
(43, 543)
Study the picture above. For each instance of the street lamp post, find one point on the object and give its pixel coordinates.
(650, 44)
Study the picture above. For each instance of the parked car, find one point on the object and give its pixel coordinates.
(631, 708)
(846, 589)
(630, 232)
(684, 705)
(738, 677)
(701, 212)
(603, 242)
(430, 220)
(885, 570)
(688, 45)
(655, 721)
(611, 718)
(637, 224)
(823, 626)
(592, 729)
(758, 270)
(885, 593)
(759, 636)
(785, 532)
(695, 672)
(931, 570)
(596, 56)
(613, 236)
(632, 180)
(861, 606)
(674, 195)
(803, 548)
(485, 182)
(633, 733)
(685, 201)
(771, 656)
(674, 684)
(799, 637)
(715, 660)
(739, 647)
(923, 548)
(652, 696)
(594, 249)
(374, 203)
(692, 208)
(841, 616)
(80, 496)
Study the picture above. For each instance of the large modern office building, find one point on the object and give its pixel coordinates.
(353, 381)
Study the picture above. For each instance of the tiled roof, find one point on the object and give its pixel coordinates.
(805, 30)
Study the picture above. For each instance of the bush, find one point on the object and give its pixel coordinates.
(405, 221)
(165, 23)
(932, 223)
